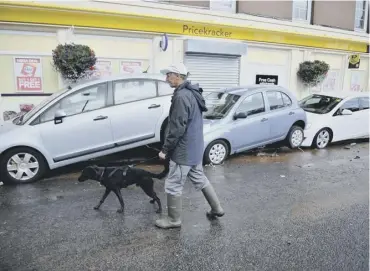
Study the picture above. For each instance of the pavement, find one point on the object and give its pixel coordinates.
(292, 210)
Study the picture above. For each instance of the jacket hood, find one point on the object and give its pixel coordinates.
(197, 92)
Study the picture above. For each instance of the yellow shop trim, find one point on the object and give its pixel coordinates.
(41, 14)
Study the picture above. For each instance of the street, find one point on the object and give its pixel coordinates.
(296, 210)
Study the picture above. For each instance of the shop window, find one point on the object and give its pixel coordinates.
(361, 13)
(302, 11)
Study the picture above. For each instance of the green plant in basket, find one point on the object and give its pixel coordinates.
(311, 73)
(73, 61)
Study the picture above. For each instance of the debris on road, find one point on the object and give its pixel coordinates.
(1, 183)
(348, 147)
(357, 157)
(282, 176)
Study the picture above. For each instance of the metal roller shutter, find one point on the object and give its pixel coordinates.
(213, 72)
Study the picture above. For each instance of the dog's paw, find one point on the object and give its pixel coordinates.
(96, 207)
(120, 211)
(158, 211)
(152, 201)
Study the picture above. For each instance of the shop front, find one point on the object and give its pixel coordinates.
(217, 55)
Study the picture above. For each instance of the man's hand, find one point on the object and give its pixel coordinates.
(162, 156)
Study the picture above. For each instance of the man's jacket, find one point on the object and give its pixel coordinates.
(184, 142)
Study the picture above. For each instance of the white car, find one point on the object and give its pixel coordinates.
(90, 120)
(333, 117)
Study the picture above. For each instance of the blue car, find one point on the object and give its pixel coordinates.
(244, 118)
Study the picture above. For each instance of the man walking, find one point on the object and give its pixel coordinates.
(184, 146)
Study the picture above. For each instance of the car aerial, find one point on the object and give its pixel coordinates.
(244, 118)
(91, 119)
(333, 117)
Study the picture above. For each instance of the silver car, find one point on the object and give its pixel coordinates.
(92, 119)
(243, 118)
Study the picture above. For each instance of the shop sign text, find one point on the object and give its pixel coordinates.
(266, 79)
(205, 31)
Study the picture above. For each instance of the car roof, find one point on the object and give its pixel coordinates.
(241, 90)
(90, 81)
(343, 94)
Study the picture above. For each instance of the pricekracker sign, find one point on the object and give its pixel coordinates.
(205, 31)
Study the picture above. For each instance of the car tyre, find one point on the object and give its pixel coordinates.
(216, 152)
(295, 137)
(28, 163)
(322, 139)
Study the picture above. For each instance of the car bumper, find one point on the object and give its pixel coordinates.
(308, 138)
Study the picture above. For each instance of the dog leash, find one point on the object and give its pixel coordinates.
(144, 161)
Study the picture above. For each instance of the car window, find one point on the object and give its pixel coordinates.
(84, 100)
(319, 104)
(252, 105)
(352, 105)
(364, 103)
(286, 99)
(164, 89)
(219, 104)
(126, 91)
(275, 99)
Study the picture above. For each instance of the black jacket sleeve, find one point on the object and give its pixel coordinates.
(177, 123)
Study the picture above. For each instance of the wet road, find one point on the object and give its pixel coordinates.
(295, 211)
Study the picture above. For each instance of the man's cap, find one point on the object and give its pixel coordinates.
(178, 68)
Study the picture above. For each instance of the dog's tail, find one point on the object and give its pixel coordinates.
(164, 172)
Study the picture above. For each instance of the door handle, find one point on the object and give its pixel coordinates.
(154, 106)
(291, 113)
(264, 119)
(100, 118)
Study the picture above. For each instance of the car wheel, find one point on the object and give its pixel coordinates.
(295, 137)
(322, 138)
(22, 165)
(216, 152)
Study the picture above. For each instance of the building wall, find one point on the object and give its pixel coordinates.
(346, 9)
(271, 9)
(117, 45)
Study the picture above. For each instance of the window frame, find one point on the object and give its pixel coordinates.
(359, 100)
(246, 97)
(38, 121)
(309, 12)
(364, 28)
(165, 83)
(135, 79)
(281, 93)
(338, 112)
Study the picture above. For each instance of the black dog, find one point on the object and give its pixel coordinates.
(116, 178)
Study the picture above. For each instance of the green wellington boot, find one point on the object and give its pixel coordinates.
(173, 220)
(210, 195)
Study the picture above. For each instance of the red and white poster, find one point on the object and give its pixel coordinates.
(102, 68)
(130, 67)
(28, 74)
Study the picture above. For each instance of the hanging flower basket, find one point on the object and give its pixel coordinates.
(74, 61)
(311, 73)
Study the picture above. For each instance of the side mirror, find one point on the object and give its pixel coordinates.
(346, 112)
(59, 116)
(240, 115)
